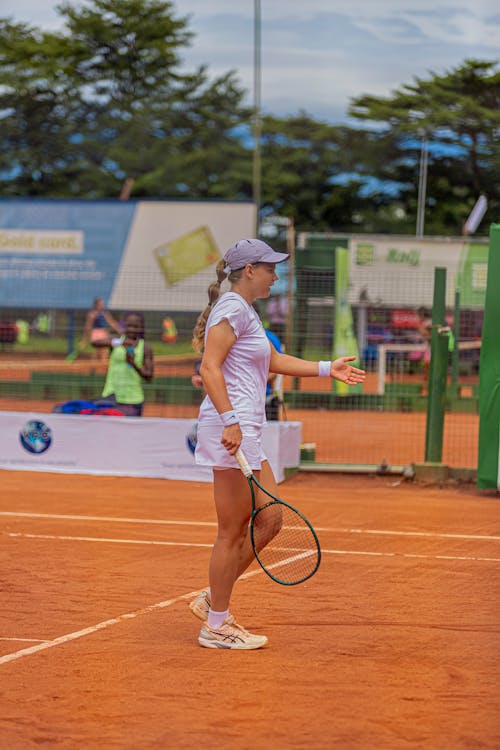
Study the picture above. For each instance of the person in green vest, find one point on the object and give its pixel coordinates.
(23, 331)
(130, 363)
(41, 324)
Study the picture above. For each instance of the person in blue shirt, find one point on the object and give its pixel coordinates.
(273, 390)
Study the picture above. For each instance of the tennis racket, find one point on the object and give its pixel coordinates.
(284, 542)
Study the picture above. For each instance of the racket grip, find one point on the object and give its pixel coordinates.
(244, 465)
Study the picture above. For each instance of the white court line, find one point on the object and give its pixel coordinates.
(117, 519)
(105, 539)
(429, 534)
(113, 519)
(411, 555)
(88, 631)
(193, 544)
(43, 645)
(28, 640)
(116, 620)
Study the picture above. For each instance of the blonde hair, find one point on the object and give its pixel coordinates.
(213, 296)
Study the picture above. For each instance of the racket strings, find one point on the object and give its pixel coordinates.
(285, 544)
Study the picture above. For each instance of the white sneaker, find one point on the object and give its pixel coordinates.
(229, 635)
(200, 605)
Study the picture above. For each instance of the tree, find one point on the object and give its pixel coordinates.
(300, 160)
(38, 106)
(459, 114)
(105, 100)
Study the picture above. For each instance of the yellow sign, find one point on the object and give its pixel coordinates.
(41, 241)
(187, 255)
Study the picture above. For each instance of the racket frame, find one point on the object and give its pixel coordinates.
(252, 480)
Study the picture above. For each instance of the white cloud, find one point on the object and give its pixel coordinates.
(317, 55)
(459, 27)
(33, 12)
(300, 9)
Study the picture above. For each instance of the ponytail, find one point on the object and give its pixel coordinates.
(213, 296)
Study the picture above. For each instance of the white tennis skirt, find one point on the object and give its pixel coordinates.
(210, 451)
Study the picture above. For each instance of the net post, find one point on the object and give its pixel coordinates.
(438, 372)
(489, 396)
(456, 333)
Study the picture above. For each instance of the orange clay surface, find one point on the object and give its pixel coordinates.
(392, 645)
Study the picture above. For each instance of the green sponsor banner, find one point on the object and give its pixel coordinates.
(344, 340)
(365, 253)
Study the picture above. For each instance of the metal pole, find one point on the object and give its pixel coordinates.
(257, 126)
(438, 372)
(456, 332)
(361, 330)
(422, 187)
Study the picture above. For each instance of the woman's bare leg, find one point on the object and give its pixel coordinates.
(232, 552)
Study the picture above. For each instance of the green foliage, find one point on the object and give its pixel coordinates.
(108, 99)
(105, 100)
(459, 114)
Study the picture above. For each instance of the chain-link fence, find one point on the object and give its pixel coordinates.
(382, 423)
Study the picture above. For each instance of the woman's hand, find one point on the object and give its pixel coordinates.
(231, 438)
(346, 373)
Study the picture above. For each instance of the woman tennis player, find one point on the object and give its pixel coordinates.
(237, 357)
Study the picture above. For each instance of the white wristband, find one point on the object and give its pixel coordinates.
(229, 418)
(324, 369)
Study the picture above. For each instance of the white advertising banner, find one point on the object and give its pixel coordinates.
(400, 270)
(171, 252)
(136, 255)
(122, 446)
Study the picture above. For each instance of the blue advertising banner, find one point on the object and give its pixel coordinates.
(60, 253)
(147, 255)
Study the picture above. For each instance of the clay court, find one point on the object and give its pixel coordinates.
(392, 644)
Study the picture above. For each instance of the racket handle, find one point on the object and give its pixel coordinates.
(244, 465)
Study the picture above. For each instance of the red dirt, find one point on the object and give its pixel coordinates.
(393, 644)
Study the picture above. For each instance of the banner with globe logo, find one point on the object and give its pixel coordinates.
(35, 436)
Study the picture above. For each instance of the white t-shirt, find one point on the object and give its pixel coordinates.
(246, 366)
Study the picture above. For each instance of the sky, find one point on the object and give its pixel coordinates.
(317, 55)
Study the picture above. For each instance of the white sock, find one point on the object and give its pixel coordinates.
(215, 619)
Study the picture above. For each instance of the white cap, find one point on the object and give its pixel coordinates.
(251, 251)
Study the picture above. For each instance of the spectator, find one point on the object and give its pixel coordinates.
(197, 382)
(274, 396)
(169, 335)
(130, 362)
(425, 330)
(97, 328)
